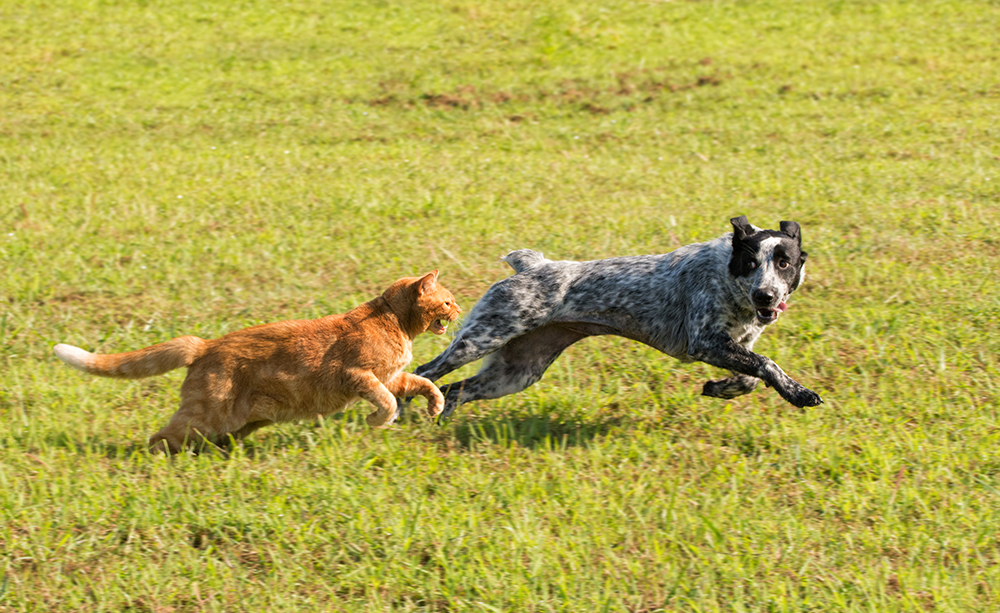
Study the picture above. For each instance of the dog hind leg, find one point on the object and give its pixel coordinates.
(460, 352)
(509, 309)
(512, 368)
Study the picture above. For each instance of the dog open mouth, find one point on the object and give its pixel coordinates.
(438, 326)
(769, 316)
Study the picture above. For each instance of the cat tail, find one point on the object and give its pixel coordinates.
(155, 360)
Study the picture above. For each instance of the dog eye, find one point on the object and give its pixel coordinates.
(752, 264)
(783, 264)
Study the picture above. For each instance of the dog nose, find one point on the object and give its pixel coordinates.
(763, 296)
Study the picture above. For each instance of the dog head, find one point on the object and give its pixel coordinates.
(768, 264)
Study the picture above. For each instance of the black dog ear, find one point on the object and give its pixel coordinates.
(792, 230)
(741, 227)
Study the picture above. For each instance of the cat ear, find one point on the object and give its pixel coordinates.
(428, 282)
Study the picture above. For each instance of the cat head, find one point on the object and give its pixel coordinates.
(422, 304)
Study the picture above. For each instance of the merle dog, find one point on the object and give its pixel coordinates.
(705, 302)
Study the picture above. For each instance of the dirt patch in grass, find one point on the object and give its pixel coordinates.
(631, 87)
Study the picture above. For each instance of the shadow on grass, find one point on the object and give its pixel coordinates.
(546, 428)
(90, 445)
(120, 450)
(541, 431)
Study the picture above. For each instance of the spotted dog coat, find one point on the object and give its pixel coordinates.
(705, 302)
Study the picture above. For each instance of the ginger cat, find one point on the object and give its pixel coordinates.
(290, 369)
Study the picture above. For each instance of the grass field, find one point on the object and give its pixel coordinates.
(173, 168)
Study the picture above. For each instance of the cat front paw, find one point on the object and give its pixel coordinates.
(435, 403)
(380, 418)
(402, 404)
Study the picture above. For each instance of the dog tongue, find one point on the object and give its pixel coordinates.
(782, 307)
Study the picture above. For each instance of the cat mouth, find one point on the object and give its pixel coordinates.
(438, 326)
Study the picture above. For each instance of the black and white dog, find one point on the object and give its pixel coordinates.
(705, 302)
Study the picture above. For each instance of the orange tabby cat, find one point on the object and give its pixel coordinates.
(290, 369)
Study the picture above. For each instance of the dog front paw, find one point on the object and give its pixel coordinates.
(802, 397)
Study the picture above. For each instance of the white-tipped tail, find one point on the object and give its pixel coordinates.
(74, 356)
(155, 360)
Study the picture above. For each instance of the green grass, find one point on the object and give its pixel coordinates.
(173, 168)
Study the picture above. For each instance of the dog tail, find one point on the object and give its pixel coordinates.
(523, 259)
(155, 360)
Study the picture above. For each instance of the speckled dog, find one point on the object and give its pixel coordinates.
(705, 302)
